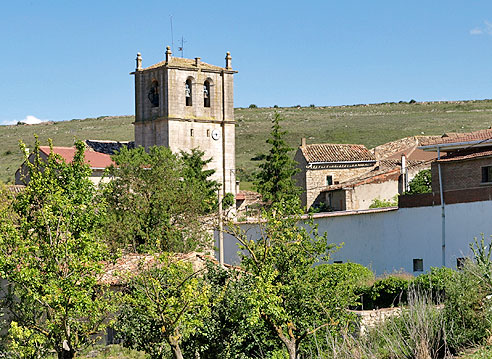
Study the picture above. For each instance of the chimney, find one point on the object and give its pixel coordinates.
(139, 61)
(303, 142)
(197, 61)
(168, 54)
(404, 173)
(228, 59)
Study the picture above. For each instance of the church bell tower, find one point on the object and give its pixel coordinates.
(184, 104)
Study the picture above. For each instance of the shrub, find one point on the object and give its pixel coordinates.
(385, 292)
(435, 281)
(383, 203)
(253, 106)
(421, 183)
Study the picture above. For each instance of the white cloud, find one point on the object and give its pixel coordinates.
(476, 31)
(29, 120)
(480, 30)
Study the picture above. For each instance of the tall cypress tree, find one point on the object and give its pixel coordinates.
(274, 180)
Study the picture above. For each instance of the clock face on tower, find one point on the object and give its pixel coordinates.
(215, 135)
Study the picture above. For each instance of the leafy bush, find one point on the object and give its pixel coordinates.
(421, 183)
(435, 281)
(385, 292)
(253, 106)
(383, 203)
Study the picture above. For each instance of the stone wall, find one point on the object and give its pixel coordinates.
(316, 179)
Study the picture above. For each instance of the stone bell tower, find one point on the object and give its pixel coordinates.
(184, 104)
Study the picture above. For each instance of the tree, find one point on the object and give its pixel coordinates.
(158, 201)
(294, 297)
(421, 183)
(167, 301)
(52, 257)
(194, 171)
(274, 180)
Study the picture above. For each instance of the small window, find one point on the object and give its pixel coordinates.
(486, 174)
(153, 94)
(188, 93)
(206, 94)
(192, 132)
(418, 265)
(329, 180)
(460, 262)
(338, 262)
(208, 133)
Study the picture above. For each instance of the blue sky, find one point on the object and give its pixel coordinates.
(64, 59)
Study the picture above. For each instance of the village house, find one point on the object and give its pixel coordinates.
(339, 177)
(96, 160)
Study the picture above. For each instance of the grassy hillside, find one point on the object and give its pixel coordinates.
(370, 125)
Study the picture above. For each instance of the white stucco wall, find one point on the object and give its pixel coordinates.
(389, 240)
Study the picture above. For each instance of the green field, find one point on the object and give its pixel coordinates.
(370, 125)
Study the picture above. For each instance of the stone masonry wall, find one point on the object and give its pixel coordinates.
(316, 179)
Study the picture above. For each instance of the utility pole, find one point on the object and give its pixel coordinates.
(221, 229)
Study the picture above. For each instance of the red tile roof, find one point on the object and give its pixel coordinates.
(466, 155)
(448, 138)
(92, 158)
(327, 153)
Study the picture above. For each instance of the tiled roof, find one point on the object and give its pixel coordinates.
(388, 170)
(15, 188)
(92, 158)
(185, 63)
(447, 138)
(336, 153)
(466, 155)
(128, 265)
(109, 147)
(407, 146)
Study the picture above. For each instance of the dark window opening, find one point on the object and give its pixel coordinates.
(153, 94)
(191, 133)
(329, 180)
(460, 262)
(338, 262)
(206, 94)
(208, 133)
(418, 265)
(188, 93)
(486, 174)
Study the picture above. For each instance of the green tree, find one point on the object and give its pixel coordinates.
(421, 183)
(158, 201)
(382, 203)
(167, 302)
(274, 180)
(194, 171)
(52, 257)
(294, 297)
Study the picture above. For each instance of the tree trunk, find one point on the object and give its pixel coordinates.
(173, 342)
(292, 349)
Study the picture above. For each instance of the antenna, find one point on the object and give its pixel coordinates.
(172, 36)
(181, 48)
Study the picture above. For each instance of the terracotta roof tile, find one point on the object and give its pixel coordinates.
(447, 138)
(92, 158)
(466, 155)
(336, 153)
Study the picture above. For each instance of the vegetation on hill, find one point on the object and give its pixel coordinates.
(370, 125)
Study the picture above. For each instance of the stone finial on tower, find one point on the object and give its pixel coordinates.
(228, 59)
(139, 61)
(197, 61)
(303, 142)
(169, 54)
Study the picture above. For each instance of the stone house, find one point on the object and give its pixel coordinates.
(96, 160)
(349, 177)
(324, 165)
(387, 179)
